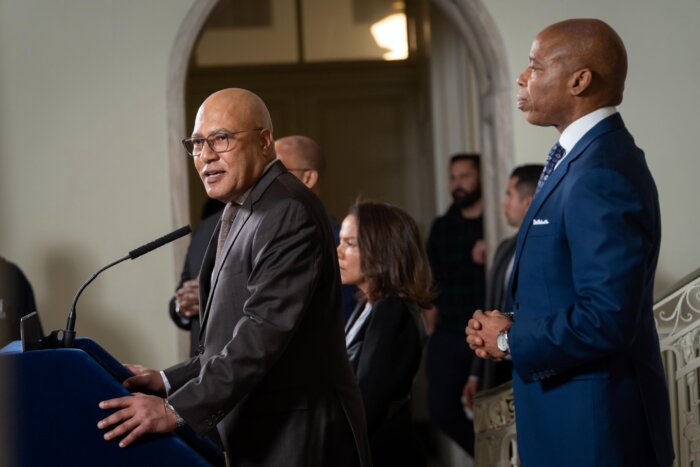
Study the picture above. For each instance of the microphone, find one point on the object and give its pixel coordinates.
(68, 337)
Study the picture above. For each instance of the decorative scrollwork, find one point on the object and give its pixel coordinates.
(680, 309)
(495, 411)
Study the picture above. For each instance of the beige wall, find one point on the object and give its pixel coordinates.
(83, 164)
(660, 106)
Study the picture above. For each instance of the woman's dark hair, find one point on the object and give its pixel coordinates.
(392, 257)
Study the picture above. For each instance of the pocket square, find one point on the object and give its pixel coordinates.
(540, 221)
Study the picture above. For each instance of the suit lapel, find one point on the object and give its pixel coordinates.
(213, 270)
(500, 267)
(354, 315)
(205, 277)
(608, 124)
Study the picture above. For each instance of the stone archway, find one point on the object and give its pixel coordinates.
(177, 126)
(487, 51)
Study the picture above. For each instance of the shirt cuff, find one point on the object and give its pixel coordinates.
(166, 383)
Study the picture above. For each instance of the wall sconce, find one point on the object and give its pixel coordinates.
(390, 33)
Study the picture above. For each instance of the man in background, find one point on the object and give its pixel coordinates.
(16, 300)
(184, 306)
(519, 192)
(456, 252)
(304, 158)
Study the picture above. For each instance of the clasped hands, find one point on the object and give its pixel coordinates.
(482, 331)
(140, 413)
(187, 298)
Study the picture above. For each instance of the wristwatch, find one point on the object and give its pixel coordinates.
(178, 418)
(502, 341)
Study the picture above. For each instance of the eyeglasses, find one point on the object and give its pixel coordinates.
(218, 142)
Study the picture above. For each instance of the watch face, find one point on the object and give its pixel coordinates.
(501, 342)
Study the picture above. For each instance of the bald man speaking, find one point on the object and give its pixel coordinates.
(272, 373)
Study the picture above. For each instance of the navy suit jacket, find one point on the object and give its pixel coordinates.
(588, 380)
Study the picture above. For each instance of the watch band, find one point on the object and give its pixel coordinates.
(178, 418)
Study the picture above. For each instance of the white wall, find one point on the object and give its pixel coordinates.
(660, 105)
(83, 166)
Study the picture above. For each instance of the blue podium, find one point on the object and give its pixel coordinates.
(52, 414)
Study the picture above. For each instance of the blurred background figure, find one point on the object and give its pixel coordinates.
(457, 251)
(184, 306)
(521, 188)
(304, 158)
(16, 300)
(381, 253)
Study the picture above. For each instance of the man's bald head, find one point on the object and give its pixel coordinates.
(237, 128)
(303, 157)
(593, 44)
(575, 67)
(241, 105)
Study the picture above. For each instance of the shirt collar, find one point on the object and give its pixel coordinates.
(241, 199)
(575, 131)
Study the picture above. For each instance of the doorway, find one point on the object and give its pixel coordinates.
(432, 123)
(387, 128)
(369, 115)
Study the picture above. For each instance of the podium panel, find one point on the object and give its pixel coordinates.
(51, 412)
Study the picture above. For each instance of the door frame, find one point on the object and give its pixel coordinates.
(485, 44)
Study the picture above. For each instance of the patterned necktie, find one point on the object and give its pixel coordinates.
(226, 220)
(554, 156)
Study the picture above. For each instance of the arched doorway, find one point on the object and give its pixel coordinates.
(479, 35)
(483, 108)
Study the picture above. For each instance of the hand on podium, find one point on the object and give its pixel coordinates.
(137, 415)
(140, 413)
(145, 378)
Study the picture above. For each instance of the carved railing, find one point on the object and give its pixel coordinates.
(677, 316)
(494, 426)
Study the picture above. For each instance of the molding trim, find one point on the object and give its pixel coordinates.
(178, 64)
(493, 80)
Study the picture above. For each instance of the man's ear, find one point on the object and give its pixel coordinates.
(580, 81)
(528, 201)
(267, 144)
(310, 178)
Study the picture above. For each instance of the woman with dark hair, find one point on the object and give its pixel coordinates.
(382, 254)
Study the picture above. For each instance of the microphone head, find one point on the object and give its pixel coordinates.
(142, 250)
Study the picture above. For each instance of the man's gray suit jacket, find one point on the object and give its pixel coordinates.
(272, 373)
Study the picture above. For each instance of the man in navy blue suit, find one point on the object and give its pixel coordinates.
(587, 374)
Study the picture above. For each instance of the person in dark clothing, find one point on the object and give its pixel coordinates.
(380, 251)
(456, 251)
(184, 305)
(303, 157)
(16, 300)
(519, 193)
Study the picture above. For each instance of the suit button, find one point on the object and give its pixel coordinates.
(200, 349)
